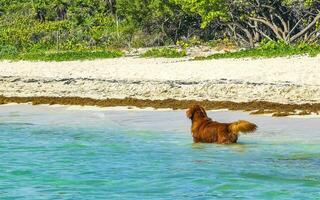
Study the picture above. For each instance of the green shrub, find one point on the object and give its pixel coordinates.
(194, 41)
(68, 55)
(165, 53)
(270, 44)
(222, 44)
(269, 49)
(7, 50)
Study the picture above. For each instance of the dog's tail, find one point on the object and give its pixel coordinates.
(242, 126)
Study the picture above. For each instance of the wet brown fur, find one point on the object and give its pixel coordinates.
(206, 130)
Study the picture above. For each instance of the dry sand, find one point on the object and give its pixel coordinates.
(292, 80)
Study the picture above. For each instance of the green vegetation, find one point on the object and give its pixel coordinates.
(270, 49)
(249, 21)
(39, 27)
(165, 53)
(63, 56)
(36, 27)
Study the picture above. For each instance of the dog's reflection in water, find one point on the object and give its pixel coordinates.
(235, 147)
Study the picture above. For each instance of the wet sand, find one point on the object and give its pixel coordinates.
(254, 107)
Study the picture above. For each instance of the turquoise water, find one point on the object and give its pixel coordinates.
(58, 153)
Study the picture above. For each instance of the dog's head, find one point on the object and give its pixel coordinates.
(196, 109)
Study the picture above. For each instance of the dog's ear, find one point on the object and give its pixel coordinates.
(203, 111)
(190, 112)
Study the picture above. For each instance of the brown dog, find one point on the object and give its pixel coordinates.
(207, 131)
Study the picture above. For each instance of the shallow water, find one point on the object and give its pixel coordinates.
(59, 153)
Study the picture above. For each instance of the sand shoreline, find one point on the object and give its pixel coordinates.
(293, 82)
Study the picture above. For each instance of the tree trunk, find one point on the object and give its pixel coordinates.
(306, 29)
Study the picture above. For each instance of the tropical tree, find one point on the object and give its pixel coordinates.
(252, 20)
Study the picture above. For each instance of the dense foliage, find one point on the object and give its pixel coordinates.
(93, 24)
(249, 21)
(99, 25)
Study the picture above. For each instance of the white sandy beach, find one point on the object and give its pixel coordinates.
(282, 80)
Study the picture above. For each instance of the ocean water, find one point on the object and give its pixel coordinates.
(65, 153)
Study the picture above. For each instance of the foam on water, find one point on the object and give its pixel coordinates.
(56, 153)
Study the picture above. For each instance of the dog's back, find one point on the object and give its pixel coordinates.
(208, 131)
